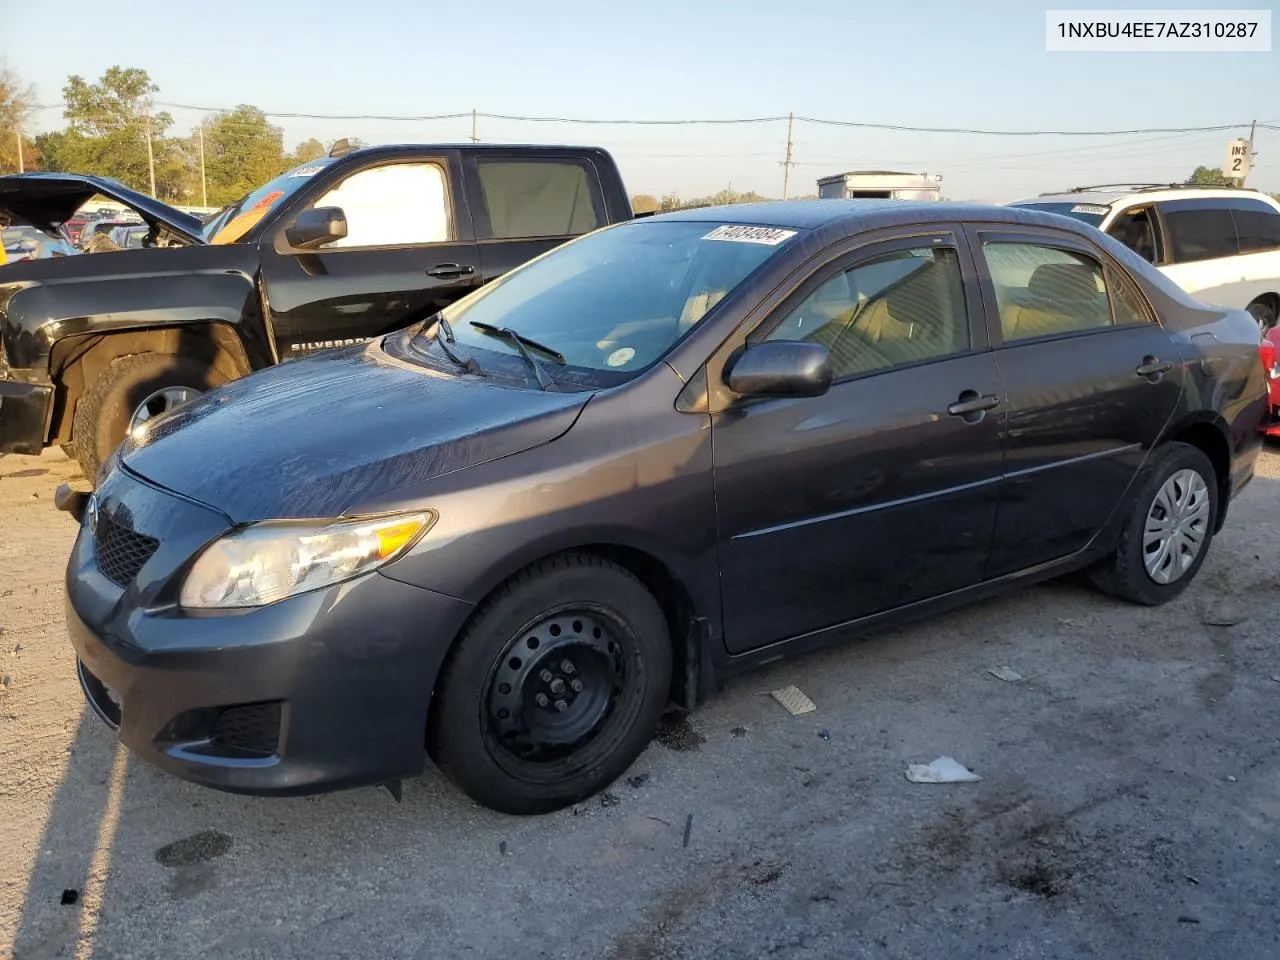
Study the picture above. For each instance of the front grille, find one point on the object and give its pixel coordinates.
(121, 551)
(254, 728)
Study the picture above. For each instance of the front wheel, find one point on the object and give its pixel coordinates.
(555, 687)
(1166, 534)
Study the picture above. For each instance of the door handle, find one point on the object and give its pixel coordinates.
(972, 402)
(1153, 368)
(451, 270)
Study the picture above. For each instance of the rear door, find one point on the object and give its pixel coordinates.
(408, 252)
(883, 490)
(525, 204)
(1203, 252)
(1092, 381)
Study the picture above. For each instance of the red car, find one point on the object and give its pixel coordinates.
(1271, 361)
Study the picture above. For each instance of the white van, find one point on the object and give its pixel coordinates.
(1220, 244)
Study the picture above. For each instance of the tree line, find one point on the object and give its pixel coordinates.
(112, 131)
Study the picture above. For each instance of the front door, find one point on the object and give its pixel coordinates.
(408, 252)
(882, 491)
(1092, 381)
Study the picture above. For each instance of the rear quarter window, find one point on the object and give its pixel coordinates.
(1257, 225)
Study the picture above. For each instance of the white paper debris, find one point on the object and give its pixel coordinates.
(794, 700)
(1004, 673)
(942, 770)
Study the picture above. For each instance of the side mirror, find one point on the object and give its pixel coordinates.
(782, 368)
(316, 227)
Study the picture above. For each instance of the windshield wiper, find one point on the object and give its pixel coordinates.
(444, 337)
(523, 343)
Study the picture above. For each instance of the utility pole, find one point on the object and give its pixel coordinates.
(1253, 128)
(21, 169)
(204, 187)
(474, 138)
(151, 160)
(787, 163)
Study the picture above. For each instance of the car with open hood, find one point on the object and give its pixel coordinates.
(509, 535)
(339, 250)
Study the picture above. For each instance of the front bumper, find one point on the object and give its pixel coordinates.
(24, 416)
(324, 690)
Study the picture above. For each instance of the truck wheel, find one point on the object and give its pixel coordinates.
(1168, 530)
(131, 391)
(1264, 311)
(555, 687)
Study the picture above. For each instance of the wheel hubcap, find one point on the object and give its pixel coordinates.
(555, 686)
(1177, 526)
(161, 402)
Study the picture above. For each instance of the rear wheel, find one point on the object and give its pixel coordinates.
(555, 687)
(1166, 534)
(1264, 311)
(130, 392)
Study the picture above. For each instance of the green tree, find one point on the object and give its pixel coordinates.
(242, 151)
(306, 151)
(1210, 177)
(108, 126)
(16, 101)
(644, 203)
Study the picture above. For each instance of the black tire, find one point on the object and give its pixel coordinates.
(102, 415)
(613, 630)
(1125, 575)
(1264, 311)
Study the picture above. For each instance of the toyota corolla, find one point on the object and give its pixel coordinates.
(510, 535)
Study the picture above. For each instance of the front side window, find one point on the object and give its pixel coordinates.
(1200, 233)
(894, 310)
(538, 198)
(614, 302)
(392, 205)
(1046, 291)
(1135, 230)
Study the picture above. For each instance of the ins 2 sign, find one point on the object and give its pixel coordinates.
(1238, 158)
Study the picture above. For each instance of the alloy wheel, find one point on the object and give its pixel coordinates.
(160, 402)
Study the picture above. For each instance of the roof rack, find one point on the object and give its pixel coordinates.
(1145, 187)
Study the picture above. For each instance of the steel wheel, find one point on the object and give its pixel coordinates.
(555, 686)
(1177, 526)
(161, 402)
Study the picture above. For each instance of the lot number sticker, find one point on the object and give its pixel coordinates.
(771, 236)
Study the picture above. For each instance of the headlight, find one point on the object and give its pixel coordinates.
(269, 561)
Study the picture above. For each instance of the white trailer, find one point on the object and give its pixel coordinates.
(880, 185)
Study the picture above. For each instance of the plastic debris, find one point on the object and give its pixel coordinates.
(824, 734)
(1231, 779)
(637, 781)
(1225, 616)
(942, 770)
(688, 828)
(1065, 621)
(69, 897)
(502, 848)
(1005, 673)
(794, 700)
(1188, 919)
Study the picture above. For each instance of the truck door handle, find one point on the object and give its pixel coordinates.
(970, 403)
(451, 270)
(1153, 368)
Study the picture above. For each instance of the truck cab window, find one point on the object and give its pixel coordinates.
(1135, 230)
(396, 204)
(539, 198)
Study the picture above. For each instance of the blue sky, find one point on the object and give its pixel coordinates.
(966, 63)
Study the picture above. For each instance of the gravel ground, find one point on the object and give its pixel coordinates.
(1129, 806)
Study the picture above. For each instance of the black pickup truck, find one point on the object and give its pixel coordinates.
(339, 250)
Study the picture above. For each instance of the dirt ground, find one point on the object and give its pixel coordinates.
(1129, 806)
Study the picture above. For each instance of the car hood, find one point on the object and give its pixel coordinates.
(48, 200)
(320, 436)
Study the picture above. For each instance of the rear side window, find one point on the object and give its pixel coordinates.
(539, 198)
(1200, 233)
(1043, 291)
(1258, 227)
(1134, 229)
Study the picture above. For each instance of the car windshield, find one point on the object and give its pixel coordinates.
(615, 301)
(232, 222)
(1090, 213)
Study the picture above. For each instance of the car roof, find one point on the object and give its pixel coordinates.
(859, 215)
(1110, 197)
